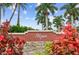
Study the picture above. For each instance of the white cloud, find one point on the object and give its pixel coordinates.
(77, 6)
(35, 12)
(56, 11)
(16, 12)
(68, 15)
(30, 6)
(10, 7)
(38, 4)
(51, 18)
(3, 20)
(27, 18)
(25, 12)
(13, 6)
(48, 10)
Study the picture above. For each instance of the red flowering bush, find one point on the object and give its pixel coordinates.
(68, 43)
(8, 44)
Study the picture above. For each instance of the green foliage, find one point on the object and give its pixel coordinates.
(58, 22)
(72, 10)
(19, 29)
(43, 10)
(7, 4)
(47, 47)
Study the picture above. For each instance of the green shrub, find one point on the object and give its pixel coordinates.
(19, 29)
(47, 49)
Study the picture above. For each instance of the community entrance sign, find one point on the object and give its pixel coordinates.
(37, 35)
(40, 36)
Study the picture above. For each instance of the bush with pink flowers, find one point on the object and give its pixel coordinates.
(68, 43)
(8, 44)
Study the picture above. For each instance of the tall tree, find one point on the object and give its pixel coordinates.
(58, 22)
(72, 10)
(46, 9)
(3, 7)
(15, 7)
(41, 20)
(18, 6)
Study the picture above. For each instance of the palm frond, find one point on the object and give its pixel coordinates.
(23, 6)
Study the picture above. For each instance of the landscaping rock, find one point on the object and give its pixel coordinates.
(33, 46)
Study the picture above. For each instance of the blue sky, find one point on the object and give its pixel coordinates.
(28, 16)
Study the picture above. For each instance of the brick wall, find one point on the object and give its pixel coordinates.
(37, 35)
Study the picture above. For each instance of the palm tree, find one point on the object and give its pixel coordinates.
(13, 12)
(18, 6)
(58, 22)
(72, 10)
(45, 9)
(49, 25)
(3, 6)
(41, 20)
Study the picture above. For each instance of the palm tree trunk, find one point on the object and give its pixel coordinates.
(0, 15)
(13, 13)
(46, 22)
(42, 26)
(58, 28)
(72, 21)
(18, 21)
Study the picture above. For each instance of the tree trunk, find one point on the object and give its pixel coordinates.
(13, 13)
(42, 27)
(0, 15)
(46, 22)
(58, 28)
(18, 20)
(72, 21)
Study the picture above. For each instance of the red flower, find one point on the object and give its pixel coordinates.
(10, 45)
(9, 51)
(77, 40)
(70, 33)
(74, 30)
(71, 47)
(1, 37)
(76, 53)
